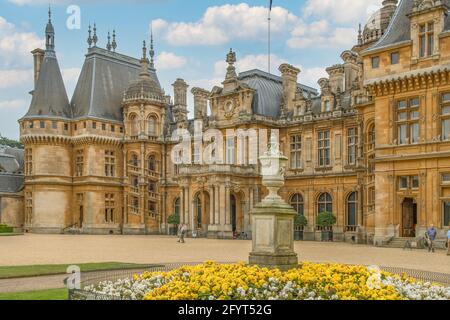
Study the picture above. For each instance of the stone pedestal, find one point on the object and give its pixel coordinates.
(273, 236)
(273, 218)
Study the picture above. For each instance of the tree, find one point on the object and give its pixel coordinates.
(10, 143)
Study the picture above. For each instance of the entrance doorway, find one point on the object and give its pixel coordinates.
(81, 217)
(233, 208)
(409, 218)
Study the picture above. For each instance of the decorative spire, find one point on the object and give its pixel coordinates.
(108, 45)
(152, 51)
(360, 38)
(144, 50)
(50, 33)
(231, 70)
(89, 40)
(95, 38)
(114, 43)
(144, 61)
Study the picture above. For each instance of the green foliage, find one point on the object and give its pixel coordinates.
(52, 294)
(6, 229)
(300, 220)
(326, 219)
(174, 219)
(10, 143)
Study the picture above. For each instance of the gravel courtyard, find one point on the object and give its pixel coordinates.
(32, 249)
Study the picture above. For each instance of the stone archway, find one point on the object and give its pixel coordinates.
(201, 213)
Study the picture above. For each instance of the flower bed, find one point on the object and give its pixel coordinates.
(212, 281)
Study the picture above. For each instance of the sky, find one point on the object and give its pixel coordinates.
(192, 38)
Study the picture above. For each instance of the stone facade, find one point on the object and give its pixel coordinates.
(106, 161)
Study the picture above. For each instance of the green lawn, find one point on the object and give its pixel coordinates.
(52, 294)
(41, 270)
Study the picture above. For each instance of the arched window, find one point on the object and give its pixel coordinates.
(152, 126)
(152, 163)
(297, 203)
(134, 160)
(324, 203)
(134, 125)
(352, 209)
(198, 210)
(177, 206)
(371, 137)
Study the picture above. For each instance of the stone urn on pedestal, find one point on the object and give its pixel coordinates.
(273, 219)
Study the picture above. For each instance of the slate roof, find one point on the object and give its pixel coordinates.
(104, 78)
(50, 96)
(11, 163)
(269, 91)
(399, 29)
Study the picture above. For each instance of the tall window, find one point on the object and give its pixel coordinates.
(28, 207)
(110, 163)
(371, 137)
(352, 209)
(371, 198)
(375, 62)
(395, 57)
(445, 116)
(28, 161)
(79, 163)
(177, 206)
(134, 125)
(297, 203)
(151, 208)
(152, 129)
(152, 187)
(352, 145)
(324, 148)
(231, 154)
(446, 213)
(109, 207)
(408, 121)
(296, 151)
(134, 160)
(325, 203)
(198, 208)
(426, 39)
(152, 163)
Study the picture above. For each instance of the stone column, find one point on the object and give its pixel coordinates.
(227, 204)
(216, 205)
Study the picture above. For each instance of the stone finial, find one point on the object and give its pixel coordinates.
(114, 42)
(94, 37)
(360, 37)
(108, 45)
(89, 39)
(231, 70)
(152, 51)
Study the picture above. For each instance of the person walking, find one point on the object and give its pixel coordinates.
(431, 233)
(182, 228)
(448, 242)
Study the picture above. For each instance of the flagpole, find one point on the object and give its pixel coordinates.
(269, 35)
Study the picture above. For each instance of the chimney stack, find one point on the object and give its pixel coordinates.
(180, 100)
(289, 74)
(200, 102)
(38, 57)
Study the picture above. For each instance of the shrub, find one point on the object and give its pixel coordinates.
(174, 219)
(6, 229)
(326, 219)
(300, 221)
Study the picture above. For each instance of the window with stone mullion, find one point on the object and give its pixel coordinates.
(407, 118)
(296, 151)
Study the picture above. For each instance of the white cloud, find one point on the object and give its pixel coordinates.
(13, 104)
(221, 24)
(310, 76)
(15, 77)
(15, 46)
(169, 61)
(322, 35)
(341, 11)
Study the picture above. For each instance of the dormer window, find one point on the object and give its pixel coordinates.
(426, 40)
(327, 106)
(375, 62)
